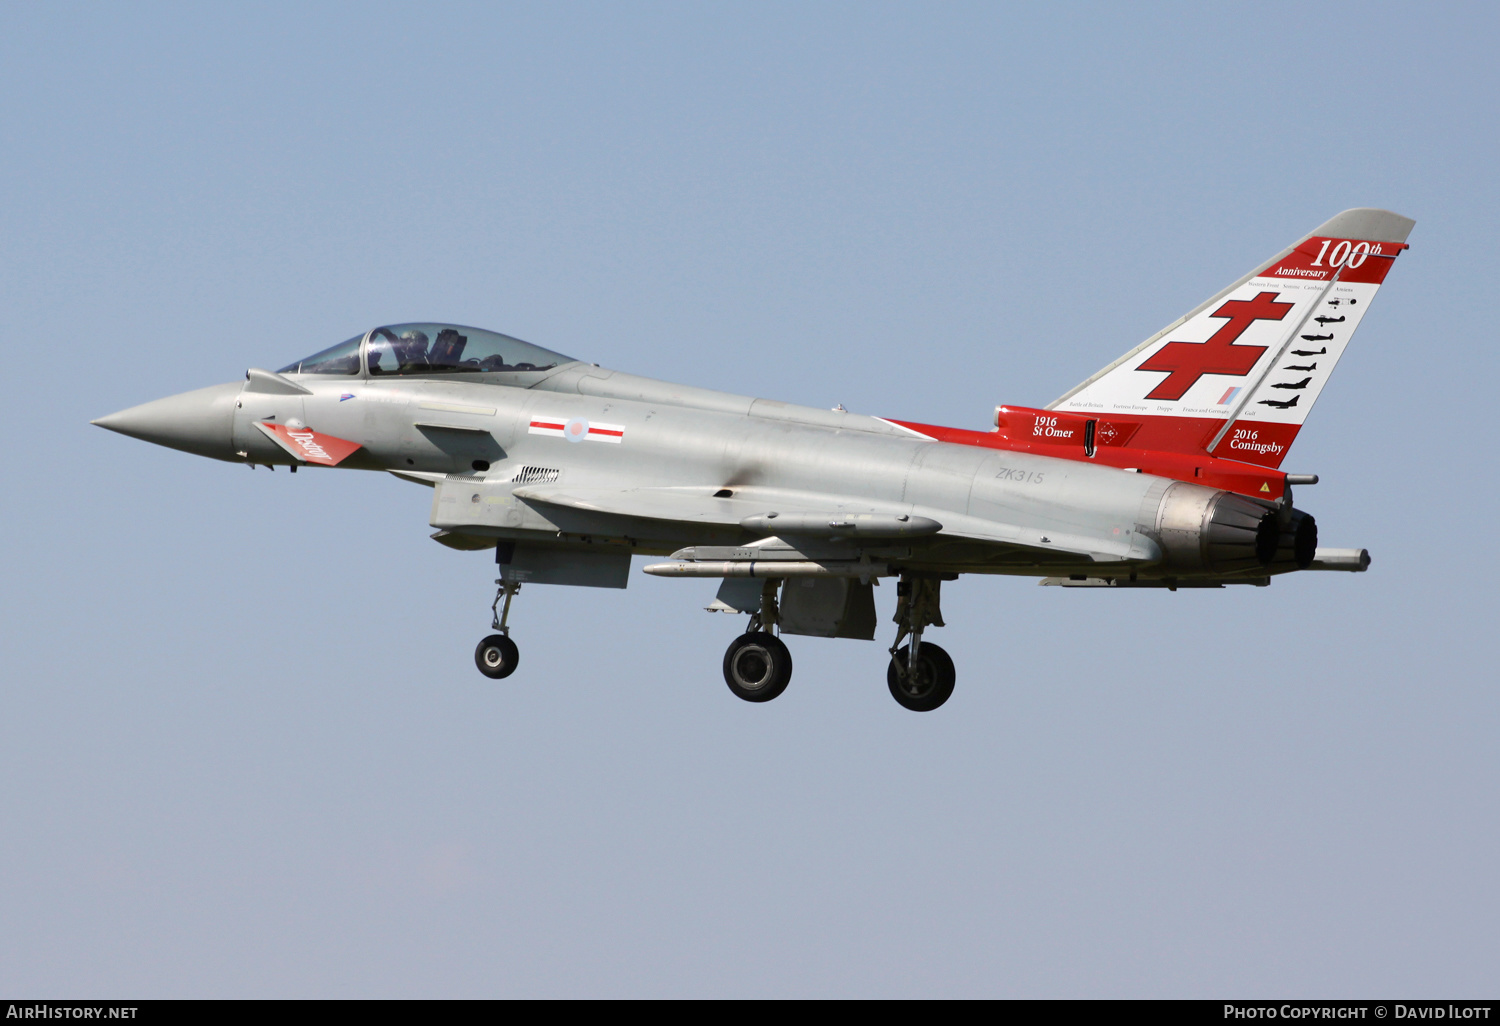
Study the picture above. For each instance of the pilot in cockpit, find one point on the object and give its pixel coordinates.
(443, 349)
(411, 349)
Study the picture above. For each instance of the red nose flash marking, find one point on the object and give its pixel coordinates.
(1189, 361)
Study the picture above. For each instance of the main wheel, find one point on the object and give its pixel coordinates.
(757, 667)
(928, 687)
(497, 656)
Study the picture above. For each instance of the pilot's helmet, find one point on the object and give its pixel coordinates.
(413, 343)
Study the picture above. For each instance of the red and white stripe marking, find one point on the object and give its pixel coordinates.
(577, 429)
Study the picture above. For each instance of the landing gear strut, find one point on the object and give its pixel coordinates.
(921, 675)
(757, 666)
(497, 655)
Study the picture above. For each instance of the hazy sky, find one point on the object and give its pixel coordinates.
(244, 750)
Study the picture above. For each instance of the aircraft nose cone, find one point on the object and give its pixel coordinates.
(201, 421)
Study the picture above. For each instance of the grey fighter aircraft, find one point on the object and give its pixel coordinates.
(1160, 471)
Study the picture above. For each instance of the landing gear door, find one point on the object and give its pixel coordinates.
(828, 607)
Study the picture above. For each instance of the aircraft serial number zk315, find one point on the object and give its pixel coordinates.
(1160, 471)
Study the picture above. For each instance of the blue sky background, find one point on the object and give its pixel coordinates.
(243, 747)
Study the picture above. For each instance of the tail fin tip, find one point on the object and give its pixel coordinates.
(1367, 224)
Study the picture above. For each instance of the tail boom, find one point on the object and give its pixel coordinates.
(1116, 442)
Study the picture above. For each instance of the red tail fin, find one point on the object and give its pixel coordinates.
(1237, 376)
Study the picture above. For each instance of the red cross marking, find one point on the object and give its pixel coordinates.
(1189, 361)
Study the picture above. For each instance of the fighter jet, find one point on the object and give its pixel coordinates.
(1160, 471)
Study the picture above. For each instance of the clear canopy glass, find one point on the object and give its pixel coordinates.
(423, 348)
(340, 359)
(452, 348)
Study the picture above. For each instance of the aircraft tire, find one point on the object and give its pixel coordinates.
(757, 667)
(497, 656)
(934, 679)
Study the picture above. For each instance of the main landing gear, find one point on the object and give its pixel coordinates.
(921, 675)
(497, 656)
(758, 666)
(929, 686)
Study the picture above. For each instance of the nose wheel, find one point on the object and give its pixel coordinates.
(497, 655)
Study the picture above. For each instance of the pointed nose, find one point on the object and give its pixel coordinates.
(201, 421)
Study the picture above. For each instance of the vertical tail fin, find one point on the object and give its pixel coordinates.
(1237, 376)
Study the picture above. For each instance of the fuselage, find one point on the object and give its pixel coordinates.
(478, 440)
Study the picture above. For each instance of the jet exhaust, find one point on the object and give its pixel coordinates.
(1205, 530)
(1296, 542)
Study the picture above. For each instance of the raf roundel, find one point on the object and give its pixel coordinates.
(577, 429)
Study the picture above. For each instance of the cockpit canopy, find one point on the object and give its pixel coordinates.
(422, 348)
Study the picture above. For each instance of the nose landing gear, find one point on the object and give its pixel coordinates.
(497, 656)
